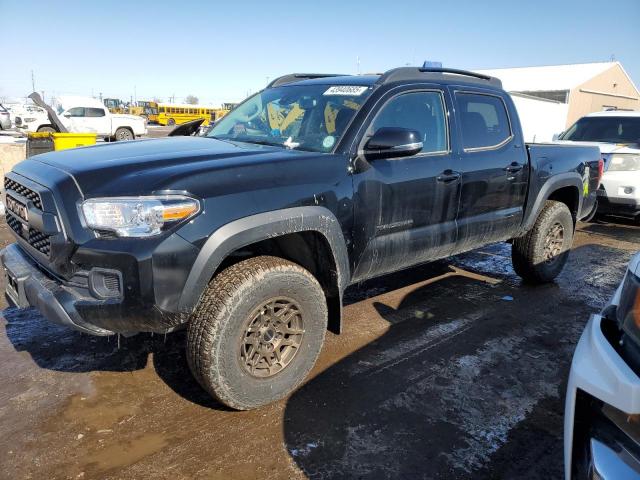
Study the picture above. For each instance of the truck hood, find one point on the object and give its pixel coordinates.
(144, 166)
(606, 148)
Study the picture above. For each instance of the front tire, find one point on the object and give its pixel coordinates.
(46, 129)
(540, 255)
(257, 332)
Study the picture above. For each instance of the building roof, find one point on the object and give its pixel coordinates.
(548, 78)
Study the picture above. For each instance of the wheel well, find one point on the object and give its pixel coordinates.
(310, 250)
(570, 196)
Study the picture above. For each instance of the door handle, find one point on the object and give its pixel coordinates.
(448, 176)
(513, 168)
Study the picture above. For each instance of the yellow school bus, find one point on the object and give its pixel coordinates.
(175, 114)
(151, 110)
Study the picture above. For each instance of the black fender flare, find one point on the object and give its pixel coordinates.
(262, 226)
(554, 183)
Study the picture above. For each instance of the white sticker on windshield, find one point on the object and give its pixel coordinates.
(345, 90)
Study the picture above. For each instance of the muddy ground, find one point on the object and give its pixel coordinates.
(453, 370)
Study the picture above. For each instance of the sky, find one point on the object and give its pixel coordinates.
(222, 51)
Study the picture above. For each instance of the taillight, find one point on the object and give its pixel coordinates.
(600, 169)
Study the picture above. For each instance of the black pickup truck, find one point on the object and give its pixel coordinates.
(249, 236)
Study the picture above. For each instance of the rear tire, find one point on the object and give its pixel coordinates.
(540, 255)
(123, 134)
(257, 332)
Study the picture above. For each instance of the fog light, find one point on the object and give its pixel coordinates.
(105, 283)
(628, 190)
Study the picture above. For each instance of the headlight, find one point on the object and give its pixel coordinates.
(624, 162)
(138, 216)
(628, 310)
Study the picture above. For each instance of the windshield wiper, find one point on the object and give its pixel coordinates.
(260, 142)
(247, 140)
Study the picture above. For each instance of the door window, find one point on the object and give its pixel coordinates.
(484, 120)
(419, 111)
(93, 112)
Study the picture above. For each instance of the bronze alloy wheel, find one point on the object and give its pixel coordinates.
(553, 243)
(272, 338)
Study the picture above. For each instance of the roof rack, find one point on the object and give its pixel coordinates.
(296, 77)
(418, 73)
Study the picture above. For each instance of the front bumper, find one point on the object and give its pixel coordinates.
(599, 372)
(77, 306)
(619, 193)
(28, 286)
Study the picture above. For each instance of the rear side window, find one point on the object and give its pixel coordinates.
(420, 111)
(484, 120)
(93, 112)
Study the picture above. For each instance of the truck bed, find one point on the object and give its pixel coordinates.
(551, 159)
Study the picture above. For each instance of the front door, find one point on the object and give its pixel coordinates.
(405, 208)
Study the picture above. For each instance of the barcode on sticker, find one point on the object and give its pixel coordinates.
(345, 90)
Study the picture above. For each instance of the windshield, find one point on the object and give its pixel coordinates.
(605, 129)
(304, 117)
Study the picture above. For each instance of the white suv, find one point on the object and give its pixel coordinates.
(617, 133)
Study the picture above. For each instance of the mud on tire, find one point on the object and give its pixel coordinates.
(540, 255)
(257, 331)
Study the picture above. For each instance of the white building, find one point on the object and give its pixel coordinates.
(551, 98)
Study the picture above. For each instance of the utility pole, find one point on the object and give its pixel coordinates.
(358, 64)
(135, 94)
(33, 82)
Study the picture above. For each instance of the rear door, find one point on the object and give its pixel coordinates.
(494, 166)
(405, 208)
(97, 120)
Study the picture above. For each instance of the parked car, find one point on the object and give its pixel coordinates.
(602, 410)
(5, 120)
(250, 235)
(85, 115)
(23, 115)
(617, 133)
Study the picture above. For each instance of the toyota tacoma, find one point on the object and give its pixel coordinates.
(249, 235)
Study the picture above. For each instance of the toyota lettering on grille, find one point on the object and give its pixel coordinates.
(17, 208)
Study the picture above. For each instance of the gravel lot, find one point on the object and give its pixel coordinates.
(452, 370)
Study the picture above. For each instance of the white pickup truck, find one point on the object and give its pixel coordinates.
(87, 115)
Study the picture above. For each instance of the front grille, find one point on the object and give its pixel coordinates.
(36, 239)
(24, 191)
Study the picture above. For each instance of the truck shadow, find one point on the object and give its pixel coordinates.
(451, 384)
(61, 349)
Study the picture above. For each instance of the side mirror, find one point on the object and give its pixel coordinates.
(67, 115)
(392, 142)
(556, 136)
